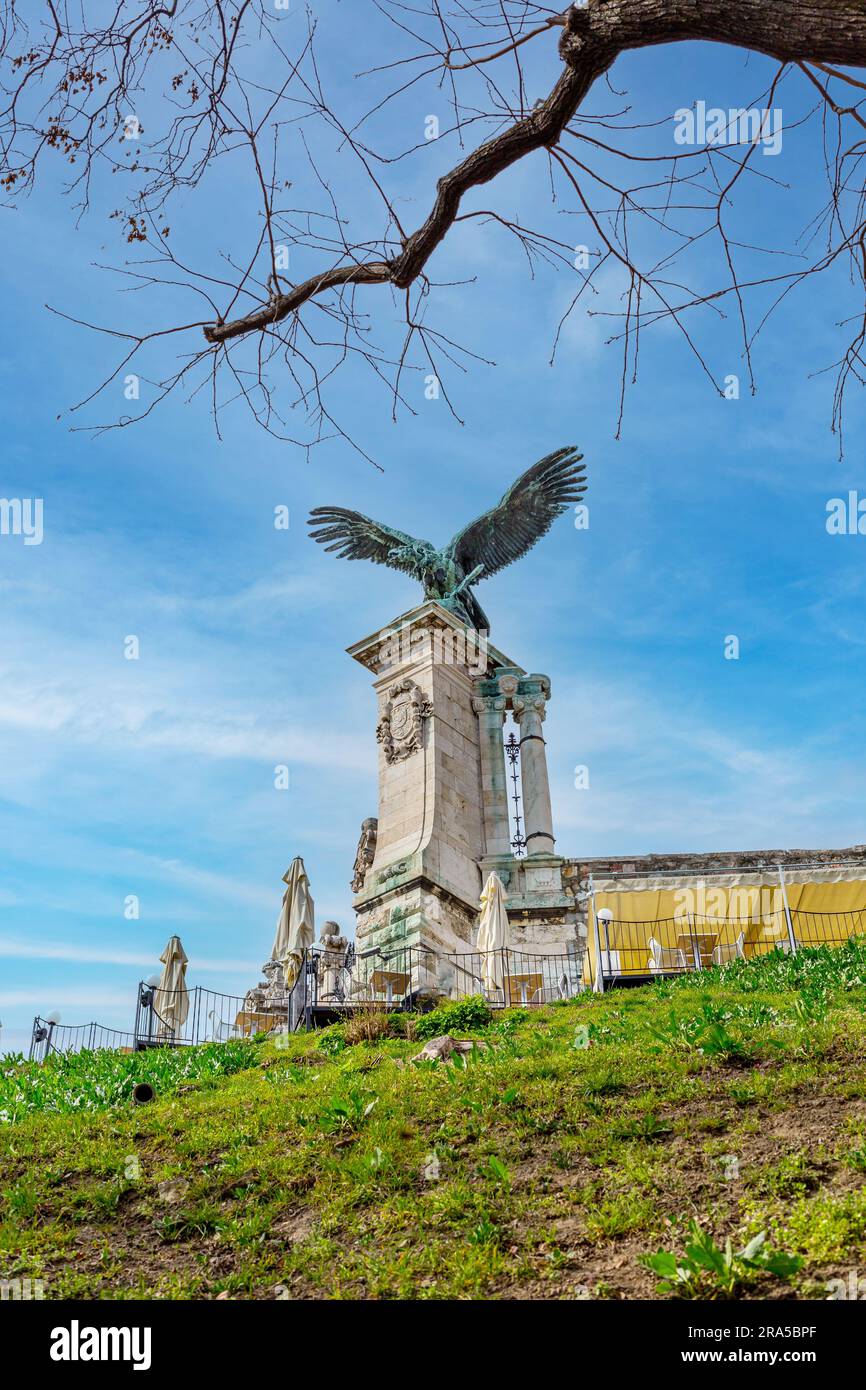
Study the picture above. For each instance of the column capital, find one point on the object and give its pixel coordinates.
(502, 683)
(486, 704)
(533, 686)
(525, 707)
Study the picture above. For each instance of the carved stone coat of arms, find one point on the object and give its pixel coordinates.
(401, 728)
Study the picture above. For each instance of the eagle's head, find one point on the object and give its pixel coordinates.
(418, 559)
(403, 556)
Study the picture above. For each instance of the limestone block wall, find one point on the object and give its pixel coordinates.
(455, 837)
(430, 797)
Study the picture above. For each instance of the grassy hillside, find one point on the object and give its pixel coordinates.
(572, 1147)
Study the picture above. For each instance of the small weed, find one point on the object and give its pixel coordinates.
(647, 1127)
(856, 1159)
(347, 1111)
(706, 1270)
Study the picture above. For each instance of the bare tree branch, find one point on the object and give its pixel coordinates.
(72, 86)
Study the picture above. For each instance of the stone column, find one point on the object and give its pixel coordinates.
(494, 788)
(529, 711)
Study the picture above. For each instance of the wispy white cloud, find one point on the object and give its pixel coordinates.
(17, 949)
(88, 997)
(95, 711)
(663, 778)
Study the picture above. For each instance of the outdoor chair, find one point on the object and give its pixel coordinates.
(361, 992)
(781, 944)
(221, 1030)
(610, 964)
(730, 950)
(665, 958)
(470, 983)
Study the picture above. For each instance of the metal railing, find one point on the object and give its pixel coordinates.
(331, 984)
(828, 928)
(187, 1017)
(409, 977)
(47, 1037)
(637, 952)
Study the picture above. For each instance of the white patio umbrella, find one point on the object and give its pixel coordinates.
(492, 933)
(296, 922)
(171, 997)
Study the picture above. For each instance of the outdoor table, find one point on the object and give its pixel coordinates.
(700, 945)
(522, 987)
(389, 983)
(250, 1023)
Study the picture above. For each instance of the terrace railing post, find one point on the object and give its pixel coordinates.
(694, 943)
(791, 937)
(308, 969)
(598, 982)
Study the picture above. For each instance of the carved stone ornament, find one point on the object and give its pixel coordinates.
(401, 728)
(366, 852)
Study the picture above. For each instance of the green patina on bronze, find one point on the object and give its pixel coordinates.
(494, 540)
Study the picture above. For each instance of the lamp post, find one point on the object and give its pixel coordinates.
(145, 1000)
(605, 917)
(45, 1033)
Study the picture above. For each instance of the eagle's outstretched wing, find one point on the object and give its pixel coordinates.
(528, 509)
(355, 537)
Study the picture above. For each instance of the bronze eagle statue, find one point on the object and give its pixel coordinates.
(526, 512)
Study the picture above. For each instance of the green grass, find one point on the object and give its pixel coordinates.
(83, 1081)
(700, 1115)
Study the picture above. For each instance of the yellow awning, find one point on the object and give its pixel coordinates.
(705, 923)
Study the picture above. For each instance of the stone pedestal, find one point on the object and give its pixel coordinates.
(443, 694)
(425, 879)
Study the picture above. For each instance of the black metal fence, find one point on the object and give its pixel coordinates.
(414, 976)
(828, 928)
(634, 952)
(187, 1017)
(331, 984)
(171, 1018)
(48, 1036)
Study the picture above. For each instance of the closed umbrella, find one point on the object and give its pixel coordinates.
(295, 924)
(171, 997)
(492, 933)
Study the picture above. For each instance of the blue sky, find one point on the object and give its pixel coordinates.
(156, 777)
